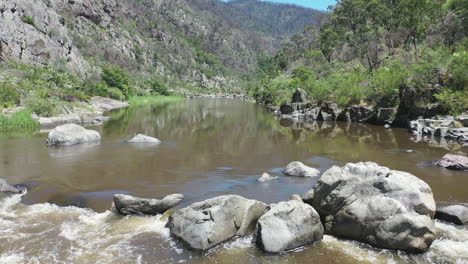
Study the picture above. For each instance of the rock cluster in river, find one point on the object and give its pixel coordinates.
(206, 224)
(373, 204)
(129, 205)
(444, 127)
(71, 134)
(287, 225)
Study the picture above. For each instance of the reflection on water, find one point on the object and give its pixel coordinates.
(209, 148)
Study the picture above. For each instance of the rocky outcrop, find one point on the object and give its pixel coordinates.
(144, 139)
(287, 225)
(443, 127)
(384, 116)
(373, 204)
(206, 224)
(267, 177)
(453, 162)
(86, 113)
(356, 114)
(71, 134)
(329, 111)
(457, 214)
(297, 168)
(299, 96)
(129, 205)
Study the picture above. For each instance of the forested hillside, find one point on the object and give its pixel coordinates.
(376, 53)
(57, 50)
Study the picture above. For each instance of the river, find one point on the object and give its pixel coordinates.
(210, 147)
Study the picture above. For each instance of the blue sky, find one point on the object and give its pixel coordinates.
(317, 4)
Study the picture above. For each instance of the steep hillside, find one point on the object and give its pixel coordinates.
(189, 44)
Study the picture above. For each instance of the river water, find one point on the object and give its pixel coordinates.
(210, 147)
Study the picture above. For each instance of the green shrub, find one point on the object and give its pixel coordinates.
(20, 119)
(454, 102)
(46, 107)
(158, 86)
(118, 78)
(9, 94)
(116, 94)
(459, 70)
(277, 91)
(386, 82)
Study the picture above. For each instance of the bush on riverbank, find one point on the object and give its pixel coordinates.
(140, 100)
(19, 120)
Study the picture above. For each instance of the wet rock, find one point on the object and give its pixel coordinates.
(297, 168)
(129, 205)
(71, 134)
(308, 197)
(267, 177)
(373, 204)
(7, 189)
(453, 162)
(384, 116)
(287, 225)
(286, 109)
(444, 127)
(463, 119)
(329, 111)
(356, 114)
(206, 224)
(299, 96)
(144, 139)
(312, 114)
(457, 214)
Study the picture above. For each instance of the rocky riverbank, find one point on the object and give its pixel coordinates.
(427, 126)
(86, 113)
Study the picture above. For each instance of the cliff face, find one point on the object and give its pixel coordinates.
(181, 40)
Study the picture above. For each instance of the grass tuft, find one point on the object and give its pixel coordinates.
(19, 120)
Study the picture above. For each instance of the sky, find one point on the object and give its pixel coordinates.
(316, 4)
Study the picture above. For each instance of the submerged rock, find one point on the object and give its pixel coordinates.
(453, 162)
(7, 189)
(206, 224)
(457, 214)
(287, 225)
(71, 134)
(267, 177)
(144, 139)
(373, 204)
(129, 205)
(297, 168)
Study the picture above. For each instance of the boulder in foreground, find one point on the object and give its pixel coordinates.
(7, 189)
(453, 162)
(129, 205)
(373, 204)
(287, 225)
(457, 214)
(206, 224)
(144, 139)
(297, 168)
(71, 134)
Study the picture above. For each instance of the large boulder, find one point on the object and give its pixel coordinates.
(299, 96)
(129, 205)
(287, 225)
(356, 114)
(297, 168)
(71, 134)
(453, 162)
(286, 109)
(206, 224)
(373, 204)
(329, 111)
(457, 214)
(144, 139)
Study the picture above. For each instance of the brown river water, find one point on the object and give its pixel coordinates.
(210, 147)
